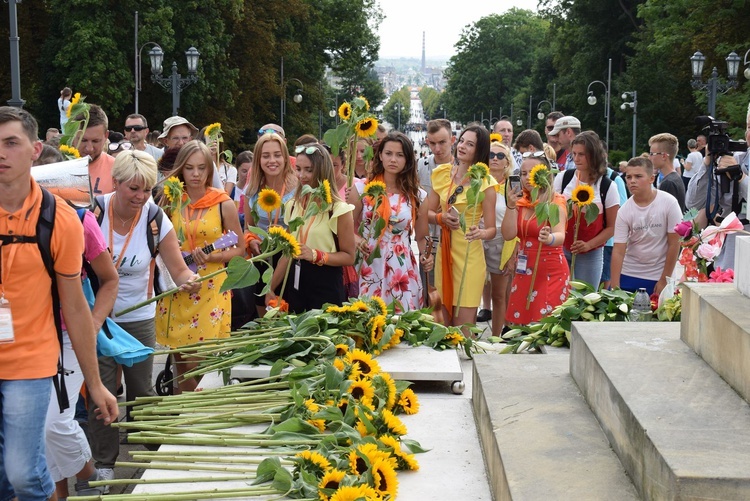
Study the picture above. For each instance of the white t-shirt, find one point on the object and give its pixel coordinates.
(134, 267)
(613, 195)
(644, 230)
(695, 159)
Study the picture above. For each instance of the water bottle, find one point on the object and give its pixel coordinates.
(641, 310)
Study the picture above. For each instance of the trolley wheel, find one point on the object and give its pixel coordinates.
(164, 383)
(458, 387)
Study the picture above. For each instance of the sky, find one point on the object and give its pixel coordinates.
(441, 20)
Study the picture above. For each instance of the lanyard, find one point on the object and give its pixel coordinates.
(278, 211)
(111, 231)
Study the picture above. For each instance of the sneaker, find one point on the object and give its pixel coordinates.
(84, 489)
(105, 474)
(484, 315)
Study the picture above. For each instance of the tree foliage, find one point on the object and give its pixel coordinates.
(398, 108)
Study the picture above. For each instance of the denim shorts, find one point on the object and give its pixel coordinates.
(23, 467)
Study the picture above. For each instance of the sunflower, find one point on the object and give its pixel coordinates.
(376, 331)
(213, 130)
(367, 103)
(454, 338)
(381, 304)
(479, 170)
(331, 480)
(290, 246)
(366, 127)
(384, 478)
(342, 349)
(359, 306)
(367, 365)
(70, 151)
(327, 192)
(339, 364)
(269, 200)
(357, 463)
(354, 493)
(539, 176)
(408, 401)
(73, 102)
(496, 137)
(316, 460)
(173, 188)
(374, 189)
(362, 390)
(395, 339)
(394, 424)
(320, 424)
(312, 406)
(387, 390)
(345, 111)
(583, 194)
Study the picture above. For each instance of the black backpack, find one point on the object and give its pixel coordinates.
(603, 188)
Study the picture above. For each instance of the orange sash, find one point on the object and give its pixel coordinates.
(447, 269)
(212, 197)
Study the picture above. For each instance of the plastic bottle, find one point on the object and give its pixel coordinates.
(641, 310)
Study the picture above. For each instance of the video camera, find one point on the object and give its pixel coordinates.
(719, 143)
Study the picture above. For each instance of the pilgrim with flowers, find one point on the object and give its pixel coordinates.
(463, 194)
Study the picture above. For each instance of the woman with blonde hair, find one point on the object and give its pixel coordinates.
(550, 286)
(186, 318)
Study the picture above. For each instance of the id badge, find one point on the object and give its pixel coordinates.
(6, 322)
(297, 273)
(521, 263)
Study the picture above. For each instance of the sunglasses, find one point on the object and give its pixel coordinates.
(307, 149)
(269, 131)
(499, 155)
(120, 146)
(654, 153)
(533, 154)
(550, 128)
(459, 190)
(136, 128)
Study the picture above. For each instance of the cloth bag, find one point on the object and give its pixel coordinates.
(114, 341)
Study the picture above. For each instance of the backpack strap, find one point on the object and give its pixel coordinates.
(44, 241)
(604, 185)
(153, 230)
(566, 179)
(98, 209)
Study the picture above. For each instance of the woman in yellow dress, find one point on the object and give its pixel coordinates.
(186, 318)
(446, 203)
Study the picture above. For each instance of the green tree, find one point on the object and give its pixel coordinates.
(398, 108)
(432, 101)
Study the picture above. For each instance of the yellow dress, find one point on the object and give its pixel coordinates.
(475, 274)
(186, 318)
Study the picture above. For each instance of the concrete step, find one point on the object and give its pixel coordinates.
(716, 325)
(539, 437)
(680, 431)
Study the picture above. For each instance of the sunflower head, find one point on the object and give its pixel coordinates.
(368, 366)
(331, 481)
(269, 200)
(69, 151)
(173, 189)
(327, 191)
(583, 194)
(381, 304)
(479, 170)
(213, 131)
(345, 111)
(289, 245)
(77, 98)
(408, 401)
(374, 189)
(366, 127)
(496, 137)
(312, 461)
(539, 176)
(384, 478)
(393, 424)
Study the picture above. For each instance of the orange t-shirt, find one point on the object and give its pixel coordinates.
(100, 174)
(27, 286)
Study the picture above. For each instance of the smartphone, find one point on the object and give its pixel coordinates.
(515, 183)
(453, 211)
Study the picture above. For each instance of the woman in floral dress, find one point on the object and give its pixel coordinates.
(389, 268)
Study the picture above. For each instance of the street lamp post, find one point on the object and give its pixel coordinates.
(297, 97)
(15, 59)
(746, 63)
(540, 114)
(528, 115)
(174, 82)
(592, 99)
(634, 105)
(713, 86)
(519, 122)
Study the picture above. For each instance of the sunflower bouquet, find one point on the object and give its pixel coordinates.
(546, 212)
(356, 122)
(478, 173)
(177, 199)
(212, 134)
(318, 200)
(581, 202)
(70, 140)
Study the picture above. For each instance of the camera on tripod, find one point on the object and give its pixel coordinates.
(719, 143)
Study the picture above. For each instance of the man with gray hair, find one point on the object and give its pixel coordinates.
(136, 130)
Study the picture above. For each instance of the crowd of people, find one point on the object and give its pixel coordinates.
(475, 196)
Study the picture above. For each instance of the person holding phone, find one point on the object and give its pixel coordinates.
(550, 287)
(449, 186)
(497, 252)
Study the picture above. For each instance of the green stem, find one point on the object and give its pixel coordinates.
(575, 237)
(201, 279)
(286, 277)
(178, 480)
(533, 274)
(185, 496)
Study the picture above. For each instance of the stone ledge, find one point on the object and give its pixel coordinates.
(715, 323)
(680, 431)
(539, 437)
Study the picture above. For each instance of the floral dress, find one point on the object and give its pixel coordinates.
(551, 284)
(394, 276)
(186, 318)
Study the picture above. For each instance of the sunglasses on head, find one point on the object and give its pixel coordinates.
(307, 149)
(499, 155)
(120, 146)
(269, 131)
(136, 128)
(533, 154)
(459, 190)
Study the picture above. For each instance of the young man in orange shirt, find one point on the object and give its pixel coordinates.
(29, 347)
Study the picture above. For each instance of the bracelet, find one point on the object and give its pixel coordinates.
(325, 258)
(314, 259)
(553, 239)
(512, 208)
(439, 218)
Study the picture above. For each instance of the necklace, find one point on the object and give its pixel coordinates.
(123, 221)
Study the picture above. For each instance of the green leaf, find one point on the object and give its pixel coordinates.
(554, 214)
(267, 470)
(282, 480)
(590, 212)
(240, 273)
(295, 223)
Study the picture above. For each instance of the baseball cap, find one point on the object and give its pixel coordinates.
(569, 122)
(174, 122)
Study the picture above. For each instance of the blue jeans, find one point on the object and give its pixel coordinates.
(607, 263)
(23, 467)
(588, 267)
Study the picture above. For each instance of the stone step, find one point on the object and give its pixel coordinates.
(539, 437)
(716, 325)
(680, 431)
